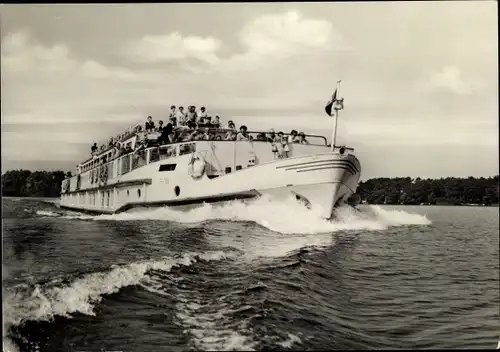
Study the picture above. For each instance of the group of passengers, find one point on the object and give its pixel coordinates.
(193, 126)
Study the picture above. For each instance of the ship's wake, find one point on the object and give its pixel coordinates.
(284, 217)
(45, 301)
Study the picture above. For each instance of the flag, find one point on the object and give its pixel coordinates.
(328, 107)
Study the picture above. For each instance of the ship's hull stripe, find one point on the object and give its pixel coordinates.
(318, 162)
(328, 167)
(351, 169)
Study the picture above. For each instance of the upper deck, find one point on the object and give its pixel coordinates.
(223, 156)
(110, 153)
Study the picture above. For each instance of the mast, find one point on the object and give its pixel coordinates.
(335, 118)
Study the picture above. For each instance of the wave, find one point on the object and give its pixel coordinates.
(43, 302)
(288, 217)
(46, 213)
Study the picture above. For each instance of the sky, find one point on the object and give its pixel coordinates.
(419, 79)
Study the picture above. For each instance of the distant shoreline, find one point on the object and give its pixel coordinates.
(449, 191)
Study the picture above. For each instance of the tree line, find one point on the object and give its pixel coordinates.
(443, 191)
(399, 190)
(24, 183)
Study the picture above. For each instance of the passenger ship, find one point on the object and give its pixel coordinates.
(319, 175)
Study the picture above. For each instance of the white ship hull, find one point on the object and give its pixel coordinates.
(232, 170)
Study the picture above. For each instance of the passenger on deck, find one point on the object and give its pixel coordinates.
(202, 114)
(218, 137)
(188, 136)
(302, 138)
(204, 122)
(93, 149)
(181, 117)
(150, 125)
(192, 116)
(242, 135)
(167, 134)
(230, 135)
(199, 136)
(139, 145)
(141, 135)
(111, 142)
(261, 137)
(216, 122)
(271, 136)
(116, 149)
(160, 126)
(293, 137)
(173, 116)
(281, 137)
(231, 125)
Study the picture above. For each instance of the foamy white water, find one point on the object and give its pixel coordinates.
(284, 217)
(42, 303)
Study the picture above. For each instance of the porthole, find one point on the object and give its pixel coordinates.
(177, 191)
(139, 193)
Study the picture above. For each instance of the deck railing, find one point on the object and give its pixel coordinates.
(128, 162)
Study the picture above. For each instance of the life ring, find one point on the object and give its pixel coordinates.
(197, 166)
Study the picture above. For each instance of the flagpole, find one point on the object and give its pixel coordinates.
(335, 118)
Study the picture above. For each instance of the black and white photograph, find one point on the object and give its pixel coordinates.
(250, 176)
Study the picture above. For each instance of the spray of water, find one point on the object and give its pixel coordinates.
(284, 217)
(43, 302)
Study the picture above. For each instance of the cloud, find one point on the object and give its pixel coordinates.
(267, 38)
(282, 35)
(174, 47)
(275, 37)
(21, 54)
(450, 79)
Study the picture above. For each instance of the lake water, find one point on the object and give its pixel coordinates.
(252, 276)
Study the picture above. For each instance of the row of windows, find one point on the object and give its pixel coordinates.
(138, 159)
(90, 198)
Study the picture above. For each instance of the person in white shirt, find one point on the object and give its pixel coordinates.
(216, 122)
(181, 116)
(172, 117)
(293, 137)
(242, 135)
(302, 138)
(202, 115)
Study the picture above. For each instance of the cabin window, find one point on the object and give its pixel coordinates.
(125, 164)
(139, 193)
(187, 148)
(167, 167)
(138, 159)
(128, 193)
(166, 152)
(154, 155)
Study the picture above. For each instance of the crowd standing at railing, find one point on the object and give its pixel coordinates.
(192, 126)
